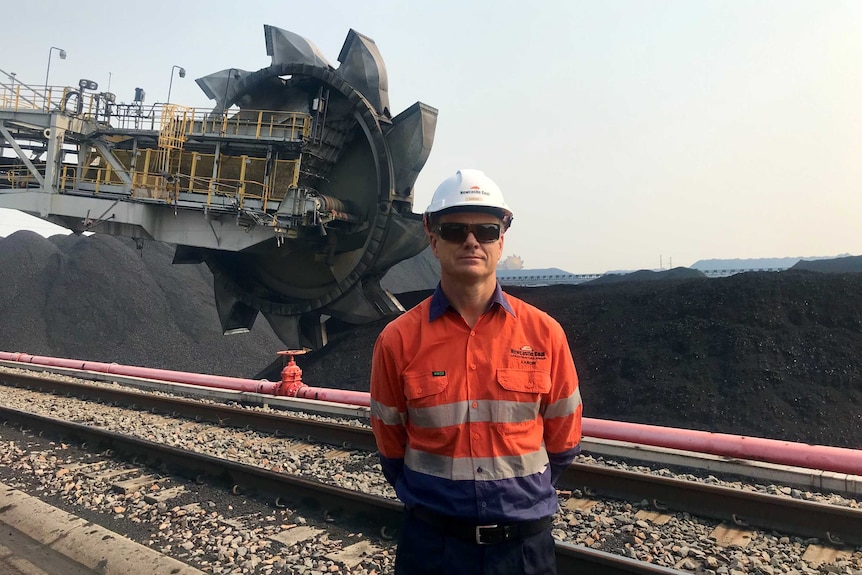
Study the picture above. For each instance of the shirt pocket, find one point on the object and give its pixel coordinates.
(524, 381)
(422, 388)
(518, 402)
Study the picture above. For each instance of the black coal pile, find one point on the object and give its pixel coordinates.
(99, 298)
(765, 354)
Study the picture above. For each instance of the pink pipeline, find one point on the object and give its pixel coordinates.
(201, 379)
(821, 457)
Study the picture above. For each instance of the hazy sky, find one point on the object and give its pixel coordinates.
(622, 133)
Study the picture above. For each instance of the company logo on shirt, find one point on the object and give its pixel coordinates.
(527, 352)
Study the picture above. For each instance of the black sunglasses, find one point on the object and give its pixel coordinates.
(455, 232)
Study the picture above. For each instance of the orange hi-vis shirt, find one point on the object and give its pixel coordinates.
(475, 423)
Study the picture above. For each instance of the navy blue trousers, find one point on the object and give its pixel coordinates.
(424, 550)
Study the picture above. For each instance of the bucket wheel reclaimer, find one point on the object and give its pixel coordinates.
(347, 216)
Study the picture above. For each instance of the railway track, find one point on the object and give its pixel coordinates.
(335, 504)
(740, 510)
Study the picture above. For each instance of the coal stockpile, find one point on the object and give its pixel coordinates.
(101, 299)
(765, 354)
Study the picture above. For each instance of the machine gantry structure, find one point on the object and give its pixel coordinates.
(296, 189)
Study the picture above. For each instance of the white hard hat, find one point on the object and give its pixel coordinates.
(469, 190)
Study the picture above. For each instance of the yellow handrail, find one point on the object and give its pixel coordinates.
(194, 121)
(161, 173)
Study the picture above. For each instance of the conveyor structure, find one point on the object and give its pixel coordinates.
(296, 189)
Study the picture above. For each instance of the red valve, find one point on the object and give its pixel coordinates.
(291, 375)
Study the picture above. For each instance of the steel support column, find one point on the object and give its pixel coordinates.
(21, 155)
(106, 153)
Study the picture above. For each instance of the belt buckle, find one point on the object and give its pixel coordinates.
(479, 529)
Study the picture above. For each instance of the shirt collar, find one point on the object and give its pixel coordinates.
(440, 303)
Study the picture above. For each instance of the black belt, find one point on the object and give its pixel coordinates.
(481, 534)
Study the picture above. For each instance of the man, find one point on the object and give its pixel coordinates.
(474, 403)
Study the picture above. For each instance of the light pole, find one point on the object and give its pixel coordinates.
(48, 71)
(171, 85)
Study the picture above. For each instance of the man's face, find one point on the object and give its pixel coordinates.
(470, 259)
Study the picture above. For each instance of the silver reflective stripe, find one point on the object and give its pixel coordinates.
(563, 407)
(439, 415)
(516, 411)
(463, 411)
(388, 415)
(467, 468)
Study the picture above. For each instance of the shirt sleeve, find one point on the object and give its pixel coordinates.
(562, 407)
(388, 407)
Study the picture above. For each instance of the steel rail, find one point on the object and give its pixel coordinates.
(832, 523)
(277, 424)
(746, 509)
(236, 476)
(334, 502)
